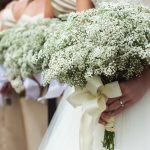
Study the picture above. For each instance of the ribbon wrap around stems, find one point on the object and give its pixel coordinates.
(93, 100)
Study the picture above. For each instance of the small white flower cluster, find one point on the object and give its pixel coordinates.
(20, 49)
(112, 41)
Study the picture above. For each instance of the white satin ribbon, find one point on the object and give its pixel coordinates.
(55, 90)
(32, 89)
(38, 77)
(3, 80)
(93, 100)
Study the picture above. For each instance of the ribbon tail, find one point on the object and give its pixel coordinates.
(90, 127)
(86, 131)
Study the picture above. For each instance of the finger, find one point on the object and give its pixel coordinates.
(102, 121)
(121, 109)
(104, 118)
(112, 100)
(116, 112)
(108, 114)
(116, 105)
(113, 106)
(112, 114)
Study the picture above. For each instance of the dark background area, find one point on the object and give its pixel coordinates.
(3, 3)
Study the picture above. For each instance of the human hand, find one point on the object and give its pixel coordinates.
(132, 91)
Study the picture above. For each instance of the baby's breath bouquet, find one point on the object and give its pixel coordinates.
(23, 49)
(111, 41)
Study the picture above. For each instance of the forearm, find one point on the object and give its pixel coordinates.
(49, 11)
(84, 5)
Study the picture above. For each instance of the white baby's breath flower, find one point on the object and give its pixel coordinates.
(112, 41)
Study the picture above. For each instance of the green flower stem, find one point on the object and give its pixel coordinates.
(108, 141)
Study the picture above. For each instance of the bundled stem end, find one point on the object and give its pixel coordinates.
(108, 141)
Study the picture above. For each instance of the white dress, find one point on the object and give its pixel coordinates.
(132, 126)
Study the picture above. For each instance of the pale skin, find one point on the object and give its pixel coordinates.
(132, 90)
(84, 5)
(17, 7)
(40, 6)
(30, 8)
